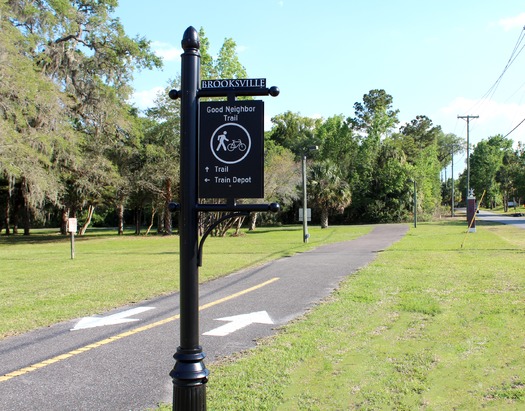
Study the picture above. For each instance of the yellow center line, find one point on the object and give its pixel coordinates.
(129, 333)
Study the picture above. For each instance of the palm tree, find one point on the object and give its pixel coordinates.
(327, 190)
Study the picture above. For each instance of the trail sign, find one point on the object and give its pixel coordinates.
(72, 225)
(231, 149)
(308, 214)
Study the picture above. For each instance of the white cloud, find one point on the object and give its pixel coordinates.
(510, 23)
(166, 51)
(488, 110)
(241, 49)
(144, 99)
(494, 117)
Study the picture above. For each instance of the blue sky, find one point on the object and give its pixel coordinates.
(436, 58)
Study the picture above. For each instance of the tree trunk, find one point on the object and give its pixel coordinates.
(167, 221)
(91, 209)
(167, 214)
(25, 204)
(223, 228)
(153, 212)
(240, 220)
(324, 218)
(16, 213)
(63, 221)
(17, 205)
(120, 212)
(160, 222)
(253, 221)
(138, 219)
(7, 208)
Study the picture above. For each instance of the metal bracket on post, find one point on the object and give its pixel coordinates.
(212, 227)
(237, 92)
(238, 210)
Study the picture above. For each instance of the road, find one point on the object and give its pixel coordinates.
(121, 360)
(501, 219)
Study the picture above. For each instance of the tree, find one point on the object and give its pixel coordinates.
(35, 138)
(375, 116)
(228, 64)
(417, 135)
(507, 176)
(162, 151)
(446, 192)
(449, 145)
(327, 190)
(374, 120)
(337, 141)
(420, 141)
(517, 171)
(390, 198)
(294, 132)
(84, 53)
(485, 161)
(282, 175)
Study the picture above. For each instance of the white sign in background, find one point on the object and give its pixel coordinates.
(72, 225)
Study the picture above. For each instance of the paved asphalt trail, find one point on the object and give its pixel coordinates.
(518, 222)
(125, 366)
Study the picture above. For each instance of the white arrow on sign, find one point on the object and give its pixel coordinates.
(118, 318)
(240, 321)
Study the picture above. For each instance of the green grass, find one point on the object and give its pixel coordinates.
(428, 326)
(41, 285)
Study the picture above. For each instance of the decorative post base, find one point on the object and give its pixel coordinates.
(190, 376)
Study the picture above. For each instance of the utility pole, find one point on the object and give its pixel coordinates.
(306, 236)
(467, 118)
(452, 172)
(305, 206)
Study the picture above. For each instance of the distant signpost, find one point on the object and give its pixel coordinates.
(72, 229)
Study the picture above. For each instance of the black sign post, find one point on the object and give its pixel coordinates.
(189, 373)
(227, 162)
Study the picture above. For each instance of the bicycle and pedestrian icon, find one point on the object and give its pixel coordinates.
(234, 145)
(230, 143)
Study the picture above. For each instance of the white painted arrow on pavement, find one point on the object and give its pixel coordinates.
(119, 318)
(240, 321)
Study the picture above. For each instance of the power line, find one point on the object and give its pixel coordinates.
(518, 48)
(519, 124)
(514, 55)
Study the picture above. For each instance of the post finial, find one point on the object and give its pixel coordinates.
(190, 39)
